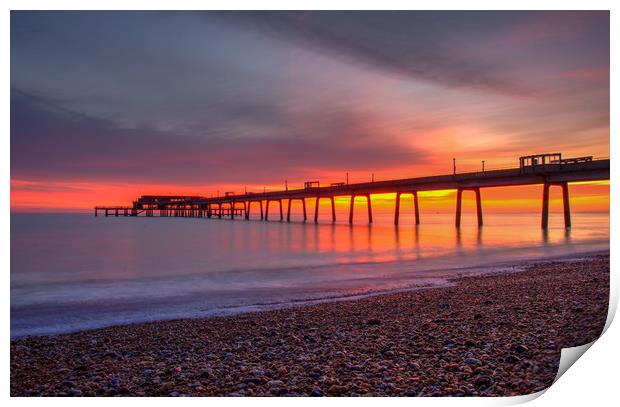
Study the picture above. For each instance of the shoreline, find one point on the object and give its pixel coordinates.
(439, 277)
(371, 341)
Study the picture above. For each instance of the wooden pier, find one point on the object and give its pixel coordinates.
(544, 169)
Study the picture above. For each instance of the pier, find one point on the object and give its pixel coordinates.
(547, 170)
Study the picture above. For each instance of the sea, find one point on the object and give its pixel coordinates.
(74, 271)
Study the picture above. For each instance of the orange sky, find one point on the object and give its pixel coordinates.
(53, 197)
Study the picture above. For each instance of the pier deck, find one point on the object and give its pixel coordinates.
(555, 173)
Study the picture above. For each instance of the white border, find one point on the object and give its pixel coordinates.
(592, 381)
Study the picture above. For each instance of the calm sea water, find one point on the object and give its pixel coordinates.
(74, 271)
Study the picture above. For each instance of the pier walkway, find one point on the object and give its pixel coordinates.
(545, 169)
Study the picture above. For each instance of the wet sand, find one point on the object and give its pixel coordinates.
(489, 335)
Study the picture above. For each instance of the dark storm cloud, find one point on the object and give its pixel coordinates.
(51, 142)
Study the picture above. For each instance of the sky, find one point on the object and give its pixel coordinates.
(106, 106)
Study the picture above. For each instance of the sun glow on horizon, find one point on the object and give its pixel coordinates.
(28, 196)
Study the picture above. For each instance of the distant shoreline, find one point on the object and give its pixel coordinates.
(485, 335)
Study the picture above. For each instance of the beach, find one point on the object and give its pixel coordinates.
(492, 335)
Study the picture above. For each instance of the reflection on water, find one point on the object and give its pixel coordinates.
(70, 272)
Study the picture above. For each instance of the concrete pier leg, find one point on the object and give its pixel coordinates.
(459, 196)
(95, 211)
(303, 201)
(479, 206)
(565, 200)
(106, 212)
(281, 214)
(232, 210)
(351, 206)
(369, 208)
(545, 207)
(397, 209)
(219, 210)
(288, 211)
(248, 205)
(331, 198)
(261, 209)
(316, 210)
(416, 208)
(267, 209)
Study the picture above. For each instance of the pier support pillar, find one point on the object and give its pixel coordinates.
(316, 208)
(397, 209)
(288, 209)
(279, 201)
(303, 203)
(267, 209)
(417, 209)
(459, 199)
(249, 206)
(565, 201)
(415, 206)
(459, 196)
(352, 205)
(219, 210)
(545, 206)
(478, 206)
(281, 213)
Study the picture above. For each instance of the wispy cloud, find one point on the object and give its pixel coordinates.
(419, 46)
(49, 143)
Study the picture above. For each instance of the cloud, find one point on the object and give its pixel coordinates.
(50, 142)
(198, 98)
(415, 45)
(587, 74)
(546, 27)
(47, 187)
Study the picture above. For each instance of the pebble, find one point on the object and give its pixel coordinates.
(520, 348)
(483, 381)
(275, 383)
(473, 362)
(421, 347)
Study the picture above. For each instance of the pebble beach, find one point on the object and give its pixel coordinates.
(494, 335)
